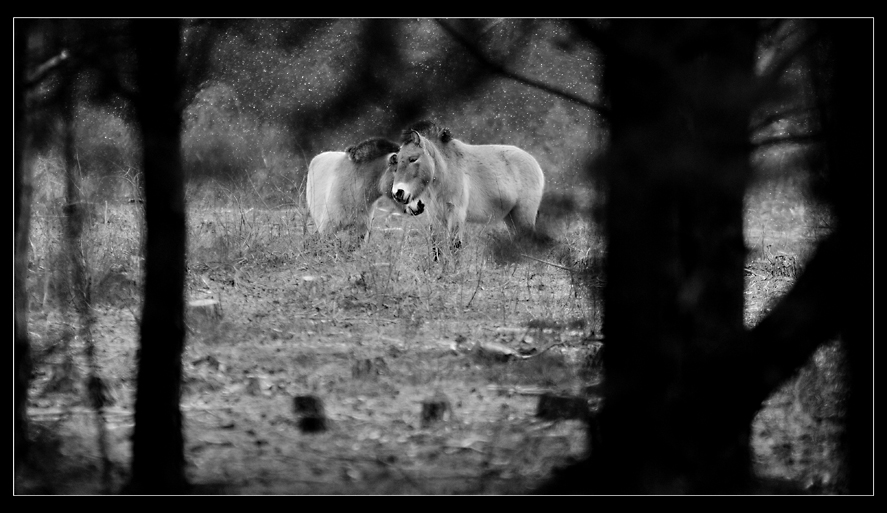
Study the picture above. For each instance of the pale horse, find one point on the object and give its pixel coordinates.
(462, 182)
(344, 188)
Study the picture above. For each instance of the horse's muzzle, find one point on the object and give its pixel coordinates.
(420, 207)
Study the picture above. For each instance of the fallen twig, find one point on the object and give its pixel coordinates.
(549, 263)
(519, 390)
(546, 348)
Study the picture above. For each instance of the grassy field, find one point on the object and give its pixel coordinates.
(375, 329)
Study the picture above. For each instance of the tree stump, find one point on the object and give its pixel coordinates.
(369, 368)
(204, 311)
(436, 409)
(309, 409)
(561, 407)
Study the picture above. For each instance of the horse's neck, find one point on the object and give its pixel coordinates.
(368, 177)
(450, 171)
(445, 159)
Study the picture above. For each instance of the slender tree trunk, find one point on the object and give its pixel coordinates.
(22, 221)
(158, 444)
(81, 287)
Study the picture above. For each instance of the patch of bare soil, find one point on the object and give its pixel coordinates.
(374, 361)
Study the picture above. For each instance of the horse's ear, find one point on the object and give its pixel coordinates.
(392, 160)
(415, 139)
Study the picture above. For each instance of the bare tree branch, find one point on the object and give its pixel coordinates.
(786, 139)
(498, 68)
(771, 76)
(46, 68)
(770, 118)
(596, 38)
(803, 320)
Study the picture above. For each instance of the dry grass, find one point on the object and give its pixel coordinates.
(303, 314)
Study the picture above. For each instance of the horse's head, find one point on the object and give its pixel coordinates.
(413, 168)
(415, 206)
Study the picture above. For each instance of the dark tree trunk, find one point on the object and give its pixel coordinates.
(849, 129)
(158, 445)
(683, 378)
(681, 96)
(831, 297)
(22, 214)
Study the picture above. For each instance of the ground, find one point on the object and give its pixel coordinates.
(374, 330)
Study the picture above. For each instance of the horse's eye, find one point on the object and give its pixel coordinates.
(413, 159)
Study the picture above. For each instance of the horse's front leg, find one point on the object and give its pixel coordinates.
(435, 245)
(446, 232)
(455, 221)
(454, 237)
(437, 227)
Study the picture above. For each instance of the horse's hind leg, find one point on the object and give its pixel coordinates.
(438, 241)
(370, 220)
(435, 241)
(521, 221)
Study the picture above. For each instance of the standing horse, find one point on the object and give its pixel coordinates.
(463, 182)
(344, 187)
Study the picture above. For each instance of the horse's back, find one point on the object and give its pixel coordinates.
(326, 174)
(501, 179)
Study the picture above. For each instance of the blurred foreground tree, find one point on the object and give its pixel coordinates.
(844, 288)
(681, 98)
(158, 460)
(59, 63)
(36, 98)
(21, 220)
(684, 378)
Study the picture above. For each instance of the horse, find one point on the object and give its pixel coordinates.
(464, 182)
(345, 187)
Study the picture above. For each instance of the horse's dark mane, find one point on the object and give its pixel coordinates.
(428, 129)
(371, 149)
